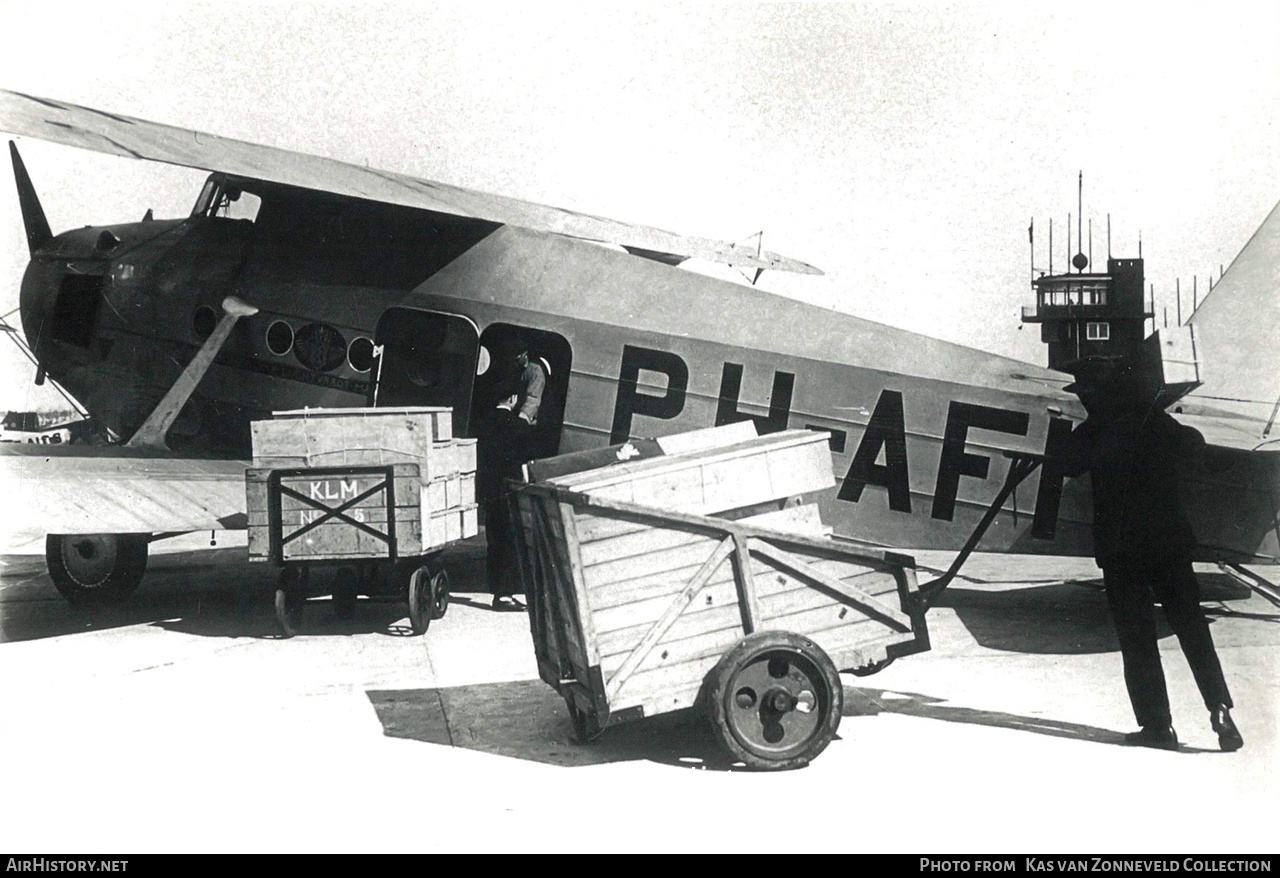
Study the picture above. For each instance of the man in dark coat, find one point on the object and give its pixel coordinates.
(507, 443)
(1143, 541)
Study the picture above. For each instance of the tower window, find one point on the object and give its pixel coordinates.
(1097, 331)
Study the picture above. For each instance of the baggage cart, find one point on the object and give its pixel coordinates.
(638, 610)
(403, 492)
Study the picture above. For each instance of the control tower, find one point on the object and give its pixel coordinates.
(1085, 313)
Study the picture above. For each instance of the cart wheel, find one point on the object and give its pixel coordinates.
(345, 590)
(868, 670)
(290, 599)
(439, 593)
(775, 700)
(421, 604)
(585, 727)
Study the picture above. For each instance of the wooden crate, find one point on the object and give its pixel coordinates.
(631, 606)
(450, 492)
(425, 514)
(451, 525)
(718, 478)
(355, 437)
(283, 531)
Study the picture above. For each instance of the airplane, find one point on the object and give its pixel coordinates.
(301, 281)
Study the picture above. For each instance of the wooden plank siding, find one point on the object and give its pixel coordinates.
(638, 603)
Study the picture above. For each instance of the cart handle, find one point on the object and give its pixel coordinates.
(1023, 465)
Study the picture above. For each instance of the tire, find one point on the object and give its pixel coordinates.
(345, 591)
(96, 568)
(291, 600)
(439, 593)
(421, 606)
(585, 727)
(774, 701)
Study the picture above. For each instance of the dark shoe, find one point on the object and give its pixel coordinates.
(1160, 737)
(1229, 737)
(507, 603)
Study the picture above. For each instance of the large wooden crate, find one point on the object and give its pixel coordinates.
(718, 478)
(632, 606)
(335, 513)
(311, 463)
(360, 437)
(314, 514)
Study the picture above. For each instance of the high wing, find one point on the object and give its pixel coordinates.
(72, 125)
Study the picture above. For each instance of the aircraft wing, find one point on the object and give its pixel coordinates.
(72, 125)
(57, 489)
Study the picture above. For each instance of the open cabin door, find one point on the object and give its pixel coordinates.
(499, 377)
(426, 358)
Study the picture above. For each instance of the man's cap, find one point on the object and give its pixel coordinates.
(1091, 373)
(514, 344)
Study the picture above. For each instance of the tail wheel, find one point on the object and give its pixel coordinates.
(775, 700)
(421, 603)
(291, 598)
(439, 593)
(88, 568)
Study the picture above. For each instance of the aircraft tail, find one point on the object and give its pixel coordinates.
(38, 231)
(1237, 331)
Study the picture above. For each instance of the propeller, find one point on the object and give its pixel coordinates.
(38, 232)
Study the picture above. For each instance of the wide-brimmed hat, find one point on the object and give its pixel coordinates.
(1091, 373)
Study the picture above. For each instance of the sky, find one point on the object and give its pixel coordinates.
(902, 149)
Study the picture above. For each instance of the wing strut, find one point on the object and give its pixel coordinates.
(154, 429)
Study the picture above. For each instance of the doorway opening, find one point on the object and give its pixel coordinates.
(427, 358)
(498, 378)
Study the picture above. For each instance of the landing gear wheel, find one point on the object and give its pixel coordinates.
(291, 598)
(775, 700)
(345, 590)
(96, 568)
(870, 669)
(421, 601)
(585, 726)
(439, 593)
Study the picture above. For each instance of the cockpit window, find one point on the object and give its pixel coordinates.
(223, 198)
(205, 199)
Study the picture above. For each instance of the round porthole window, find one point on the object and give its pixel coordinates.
(279, 338)
(360, 354)
(204, 322)
(320, 347)
(482, 363)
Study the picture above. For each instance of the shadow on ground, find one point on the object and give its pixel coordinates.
(526, 719)
(212, 594)
(1067, 618)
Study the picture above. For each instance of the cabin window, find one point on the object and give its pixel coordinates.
(76, 309)
(1097, 331)
(279, 338)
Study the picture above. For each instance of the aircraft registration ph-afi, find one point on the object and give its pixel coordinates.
(302, 281)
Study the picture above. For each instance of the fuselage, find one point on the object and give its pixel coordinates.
(361, 302)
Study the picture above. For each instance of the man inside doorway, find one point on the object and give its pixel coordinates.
(506, 445)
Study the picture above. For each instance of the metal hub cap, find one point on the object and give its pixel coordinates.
(90, 558)
(774, 703)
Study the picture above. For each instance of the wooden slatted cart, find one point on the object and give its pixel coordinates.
(637, 610)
